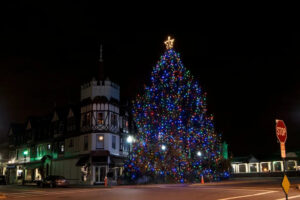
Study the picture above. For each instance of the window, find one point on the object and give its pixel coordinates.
(114, 120)
(100, 118)
(242, 168)
(71, 124)
(39, 150)
(100, 141)
(113, 144)
(85, 142)
(49, 146)
(125, 124)
(291, 165)
(86, 119)
(62, 148)
(121, 143)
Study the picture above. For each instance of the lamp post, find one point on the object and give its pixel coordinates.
(199, 154)
(130, 139)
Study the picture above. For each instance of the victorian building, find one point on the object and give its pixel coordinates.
(83, 142)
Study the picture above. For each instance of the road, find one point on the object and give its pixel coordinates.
(244, 189)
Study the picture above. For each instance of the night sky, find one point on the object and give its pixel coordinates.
(251, 77)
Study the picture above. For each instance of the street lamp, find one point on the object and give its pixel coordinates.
(199, 153)
(163, 147)
(130, 139)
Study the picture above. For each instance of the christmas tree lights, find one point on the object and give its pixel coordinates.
(175, 137)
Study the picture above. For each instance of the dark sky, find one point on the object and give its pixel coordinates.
(251, 76)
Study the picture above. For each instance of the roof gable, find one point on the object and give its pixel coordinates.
(71, 113)
(28, 127)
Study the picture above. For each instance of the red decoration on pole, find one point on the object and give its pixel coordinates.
(281, 131)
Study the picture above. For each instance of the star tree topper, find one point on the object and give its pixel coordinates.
(169, 43)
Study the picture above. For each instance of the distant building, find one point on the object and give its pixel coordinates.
(265, 164)
(84, 142)
(3, 157)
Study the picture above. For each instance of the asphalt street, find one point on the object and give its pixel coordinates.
(250, 188)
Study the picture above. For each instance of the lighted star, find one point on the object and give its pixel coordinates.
(169, 43)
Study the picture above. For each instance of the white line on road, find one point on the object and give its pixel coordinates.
(290, 197)
(249, 195)
(225, 188)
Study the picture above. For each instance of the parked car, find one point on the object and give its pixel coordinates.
(54, 181)
(2, 180)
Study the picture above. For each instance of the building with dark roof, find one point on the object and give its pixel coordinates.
(82, 142)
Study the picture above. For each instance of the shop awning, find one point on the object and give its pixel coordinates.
(99, 159)
(82, 161)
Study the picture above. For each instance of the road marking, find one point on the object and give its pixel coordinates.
(249, 195)
(290, 197)
(225, 188)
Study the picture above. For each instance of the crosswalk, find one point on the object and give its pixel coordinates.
(41, 193)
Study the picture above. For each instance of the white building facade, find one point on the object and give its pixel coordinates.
(84, 143)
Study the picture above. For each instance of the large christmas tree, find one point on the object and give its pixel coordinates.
(175, 136)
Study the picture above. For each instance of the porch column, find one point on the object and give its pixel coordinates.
(282, 167)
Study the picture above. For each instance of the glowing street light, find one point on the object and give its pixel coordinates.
(199, 153)
(130, 139)
(163, 147)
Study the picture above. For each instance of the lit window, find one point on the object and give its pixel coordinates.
(49, 146)
(62, 148)
(100, 118)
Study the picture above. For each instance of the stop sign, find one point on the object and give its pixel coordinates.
(281, 131)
